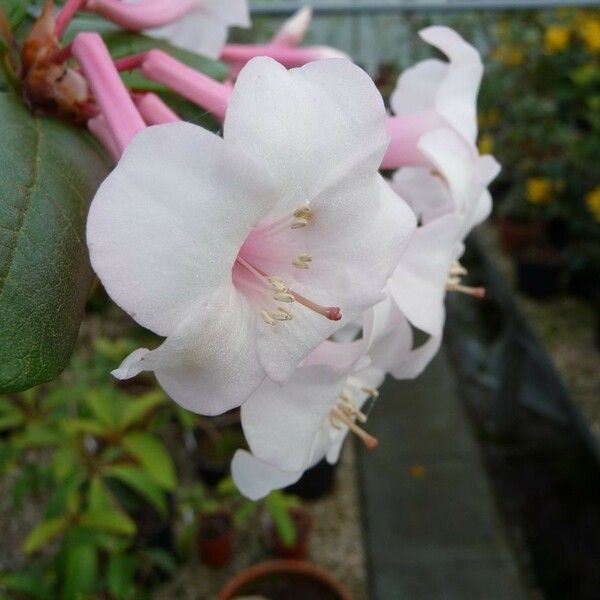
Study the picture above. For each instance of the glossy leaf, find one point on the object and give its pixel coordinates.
(49, 172)
(108, 520)
(80, 570)
(44, 533)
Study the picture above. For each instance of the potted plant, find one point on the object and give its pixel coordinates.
(318, 481)
(285, 579)
(290, 527)
(212, 515)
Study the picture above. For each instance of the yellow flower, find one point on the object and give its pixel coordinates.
(593, 202)
(511, 56)
(556, 39)
(590, 33)
(486, 144)
(540, 190)
(488, 119)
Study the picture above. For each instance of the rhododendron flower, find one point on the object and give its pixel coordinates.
(449, 202)
(434, 94)
(245, 251)
(197, 25)
(292, 427)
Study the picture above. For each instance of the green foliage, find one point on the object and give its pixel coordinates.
(50, 173)
(279, 505)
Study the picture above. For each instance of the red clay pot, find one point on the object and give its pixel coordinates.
(285, 580)
(517, 235)
(215, 539)
(299, 551)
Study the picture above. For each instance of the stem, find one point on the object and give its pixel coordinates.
(122, 118)
(141, 15)
(154, 111)
(192, 85)
(65, 16)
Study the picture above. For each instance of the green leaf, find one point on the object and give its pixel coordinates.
(50, 171)
(151, 453)
(15, 10)
(99, 497)
(108, 520)
(284, 524)
(103, 406)
(80, 570)
(11, 420)
(38, 434)
(140, 482)
(120, 575)
(44, 533)
(137, 408)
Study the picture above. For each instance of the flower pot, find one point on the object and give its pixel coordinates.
(516, 235)
(215, 539)
(303, 523)
(539, 272)
(285, 580)
(315, 483)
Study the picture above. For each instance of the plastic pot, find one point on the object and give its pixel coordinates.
(303, 523)
(215, 539)
(285, 580)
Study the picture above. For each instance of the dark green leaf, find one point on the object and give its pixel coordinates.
(120, 575)
(80, 569)
(151, 453)
(137, 408)
(140, 482)
(108, 520)
(48, 175)
(44, 533)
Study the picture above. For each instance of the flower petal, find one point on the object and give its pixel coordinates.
(256, 479)
(313, 126)
(282, 422)
(208, 365)
(166, 225)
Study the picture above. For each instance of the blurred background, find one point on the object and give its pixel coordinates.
(486, 484)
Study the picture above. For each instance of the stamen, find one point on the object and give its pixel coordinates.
(284, 296)
(281, 314)
(303, 260)
(368, 440)
(457, 270)
(267, 318)
(350, 407)
(476, 292)
(371, 391)
(302, 217)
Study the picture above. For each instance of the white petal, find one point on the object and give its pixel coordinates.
(209, 364)
(132, 365)
(166, 225)
(282, 423)
(256, 479)
(313, 126)
(417, 87)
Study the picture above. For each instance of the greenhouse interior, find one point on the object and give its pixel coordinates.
(351, 351)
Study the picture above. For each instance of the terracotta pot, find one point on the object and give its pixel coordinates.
(303, 523)
(517, 235)
(215, 539)
(285, 580)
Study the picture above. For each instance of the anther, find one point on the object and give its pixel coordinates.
(302, 217)
(368, 440)
(302, 261)
(266, 317)
(281, 314)
(371, 391)
(284, 297)
(457, 270)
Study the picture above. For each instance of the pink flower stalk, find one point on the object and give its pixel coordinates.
(405, 132)
(154, 111)
(99, 128)
(239, 54)
(122, 118)
(142, 15)
(187, 82)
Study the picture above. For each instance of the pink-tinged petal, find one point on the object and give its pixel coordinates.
(256, 479)
(282, 423)
(140, 15)
(230, 12)
(208, 364)
(418, 284)
(417, 88)
(313, 127)
(457, 95)
(165, 227)
(294, 29)
(356, 240)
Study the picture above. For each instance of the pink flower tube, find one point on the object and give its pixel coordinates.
(141, 15)
(122, 118)
(154, 111)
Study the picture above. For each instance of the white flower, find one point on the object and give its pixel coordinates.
(245, 250)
